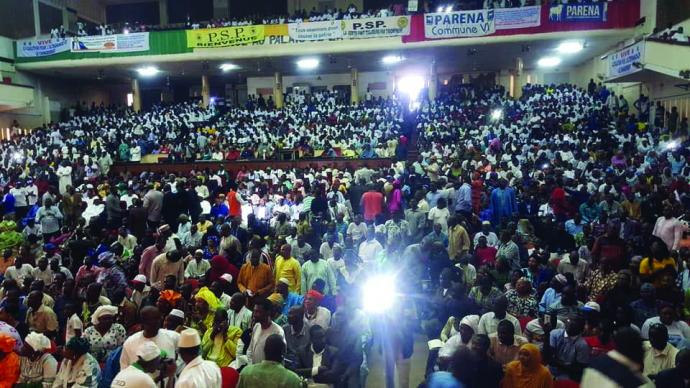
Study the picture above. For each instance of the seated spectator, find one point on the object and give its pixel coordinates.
(566, 352)
(527, 370)
(505, 344)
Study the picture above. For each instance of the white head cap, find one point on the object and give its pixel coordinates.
(148, 351)
(189, 338)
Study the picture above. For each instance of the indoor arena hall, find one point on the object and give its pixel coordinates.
(344, 194)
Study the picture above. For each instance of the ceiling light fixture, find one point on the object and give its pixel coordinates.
(391, 59)
(549, 62)
(148, 71)
(308, 63)
(228, 66)
(570, 47)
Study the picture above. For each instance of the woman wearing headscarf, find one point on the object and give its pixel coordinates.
(38, 367)
(205, 305)
(79, 368)
(219, 267)
(9, 362)
(111, 277)
(219, 343)
(105, 335)
(468, 327)
(168, 300)
(527, 371)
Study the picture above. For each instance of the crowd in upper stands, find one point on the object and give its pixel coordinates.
(535, 241)
(303, 15)
(320, 124)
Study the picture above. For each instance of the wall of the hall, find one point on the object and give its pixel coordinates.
(382, 82)
(321, 5)
(53, 97)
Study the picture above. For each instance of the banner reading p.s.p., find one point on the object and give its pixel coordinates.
(459, 24)
(376, 27)
(224, 37)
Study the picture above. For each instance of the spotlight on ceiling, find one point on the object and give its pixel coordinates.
(308, 63)
(148, 71)
(570, 47)
(549, 62)
(228, 66)
(391, 59)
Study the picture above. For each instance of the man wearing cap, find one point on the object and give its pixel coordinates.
(139, 290)
(491, 238)
(197, 372)
(139, 374)
(314, 314)
(255, 278)
(197, 267)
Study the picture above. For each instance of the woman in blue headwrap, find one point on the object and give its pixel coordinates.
(111, 277)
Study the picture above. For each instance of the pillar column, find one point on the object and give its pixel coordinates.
(205, 91)
(354, 86)
(278, 90)
(136, 95)
(433, 82)
(65, 18)
(37, 19)
(163, 12)
(221, 9)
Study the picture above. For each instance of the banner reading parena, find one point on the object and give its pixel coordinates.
(225, 37)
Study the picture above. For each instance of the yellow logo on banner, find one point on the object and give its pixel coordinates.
(224, 37)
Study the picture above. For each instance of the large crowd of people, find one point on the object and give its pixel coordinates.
(534, 241)
(321, 124)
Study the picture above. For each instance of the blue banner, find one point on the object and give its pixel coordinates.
(581, 12)
(31, 48)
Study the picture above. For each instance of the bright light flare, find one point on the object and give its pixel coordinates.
(570, 47)
(379, 294)
(148, 71)
(308, 63)
(496, 114)
(391, 59)
(549, 62)
(411, 85)
(228, 66)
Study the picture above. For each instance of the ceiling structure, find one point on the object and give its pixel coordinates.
(489, 57)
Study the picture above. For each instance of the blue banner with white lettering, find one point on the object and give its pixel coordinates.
(580, 12)
(459, 24)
